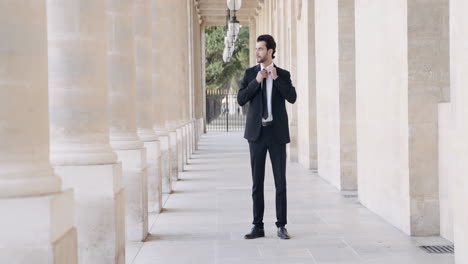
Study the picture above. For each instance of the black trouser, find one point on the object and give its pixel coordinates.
(258, 150)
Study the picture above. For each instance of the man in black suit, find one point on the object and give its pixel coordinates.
(266, 87)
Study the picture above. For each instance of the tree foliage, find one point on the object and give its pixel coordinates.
(221, 75)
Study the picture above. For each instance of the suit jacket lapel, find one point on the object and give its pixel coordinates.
(257, 69)
(273, 90)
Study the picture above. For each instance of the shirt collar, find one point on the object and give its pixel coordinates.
(263, 67)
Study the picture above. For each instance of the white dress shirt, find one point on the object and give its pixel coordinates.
(269, 82)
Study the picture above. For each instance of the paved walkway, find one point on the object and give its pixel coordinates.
(206, 217)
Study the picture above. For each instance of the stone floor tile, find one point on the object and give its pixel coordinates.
(204, 220)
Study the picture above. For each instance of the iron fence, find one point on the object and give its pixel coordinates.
(223, 113)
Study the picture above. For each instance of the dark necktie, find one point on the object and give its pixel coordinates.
(264, 99)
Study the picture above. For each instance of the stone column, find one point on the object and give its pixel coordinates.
(292, 109)
(269, 13)
(336, 93)
(180, 98)
(145, 102)
(177, 80)
(198, 86)
(122, 116)
(424, 41)
(36, 223)
(397, 79)
(186, 88)
(252, 42)
(162, 84)
(79, 129)
(264, 11)
(278, 25)
(258, 19)
(198, 89)
(202, 128)
(263, 16)
(306, 86)
(347, 70)
(192, 23)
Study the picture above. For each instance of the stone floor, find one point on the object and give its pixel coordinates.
(206, 217)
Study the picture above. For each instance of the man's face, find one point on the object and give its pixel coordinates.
(262, 53)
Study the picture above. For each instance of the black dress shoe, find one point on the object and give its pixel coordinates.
(255, 233)
(283, 233)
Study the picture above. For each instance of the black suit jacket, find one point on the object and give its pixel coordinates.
(250, 91)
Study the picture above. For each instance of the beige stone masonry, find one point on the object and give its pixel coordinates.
(145, 108)
(37, 217)
(79, 127)
(122, 116)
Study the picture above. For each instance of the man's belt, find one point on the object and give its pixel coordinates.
(268, 123)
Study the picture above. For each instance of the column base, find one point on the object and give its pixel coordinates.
(38, 229)
(165, 164)
(154, 176)
(200, 131)
(185, 144)
(135, 178)
(191, 139)
(425, 217)
(99, 211)
(173, 151)
(180, 149)
(292, 146)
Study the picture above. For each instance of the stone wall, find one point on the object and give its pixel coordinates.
(455, 115)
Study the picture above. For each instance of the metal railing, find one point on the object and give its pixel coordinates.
(223, 112)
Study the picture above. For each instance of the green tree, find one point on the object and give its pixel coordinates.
(221, 75)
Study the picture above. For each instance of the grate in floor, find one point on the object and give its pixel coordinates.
(441, 249)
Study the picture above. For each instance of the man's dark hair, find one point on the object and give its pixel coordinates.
(270, 43)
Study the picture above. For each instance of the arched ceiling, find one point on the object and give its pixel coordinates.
(213, 12)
